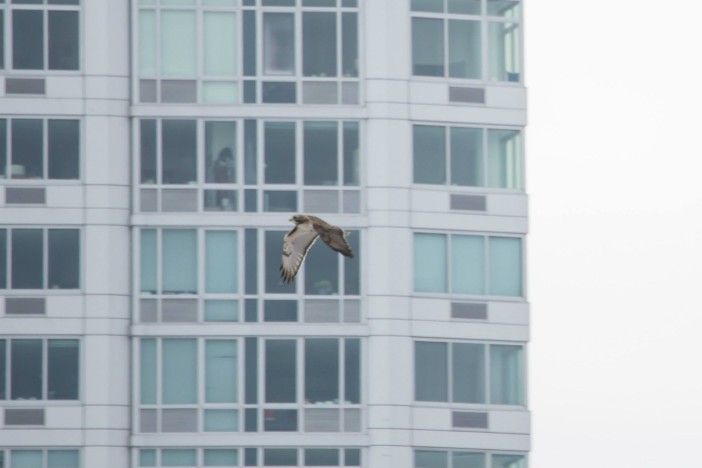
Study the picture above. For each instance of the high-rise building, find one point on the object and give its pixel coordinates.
(151, 155)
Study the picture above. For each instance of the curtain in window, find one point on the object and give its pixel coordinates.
(468, 372)
(505, 266)
(427, 47)
(179, 261)
(147, 371)
(278, 43)
(220, 43)
(506, 375)
(179, 371)
(430, 371)
(504, 159)
(148, 261)
(221, 381)
(430, 262)
(221, 262)
(468, 264)
(178, 41)
(464, 49)
(147, 43)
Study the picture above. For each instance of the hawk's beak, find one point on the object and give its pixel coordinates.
(291, 219)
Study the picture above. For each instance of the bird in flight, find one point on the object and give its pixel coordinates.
(300, 239)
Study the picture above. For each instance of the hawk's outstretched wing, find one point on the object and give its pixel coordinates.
(335, 239)
(296, 243)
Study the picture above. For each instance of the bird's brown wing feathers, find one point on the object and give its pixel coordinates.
(335, 239)
(296, 243)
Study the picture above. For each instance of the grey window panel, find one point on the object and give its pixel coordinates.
(178, 91)
(25, 86)
(179, 420)
(352, 311)
(468, 202)
(321, 311)
(322, 420)
(25, 195)
(179, 310)
(147, 91)
(319, 93)
(469, 310)
(352, 420)
(178, 200)
(148, 310)
(147, 420)
(321, 201)
(279, 420)
(148, 200)
(469, 419)
(278, 92)
(25, 305)
(352, 201)
(467, 95)
(349, 93)
(24, 417)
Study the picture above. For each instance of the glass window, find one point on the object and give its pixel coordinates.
(178, 457)
(179, 151)
(279, 152)
(509, 461)
(322, 272)
(63, 40)
(27, 40)
(27, 459)
(430, 263)
(468, 264)
(504, 8)
(466, 7)
(280, 457)
(349, 51)
(178, 43)
(322, 370)
(221, 457)
(179, 261)
(280, 383)
(63, 459)
(221, 371)
(468, 460)
(26, 370)
(430, 459)
(464, 49)
(434, 6)
(64, 258)
(3, 125)
(504, 158)
(505, 51)
(27, 149)
(351, 149)
(179, 371)
(429, 154)
(352, 369)
(220, 45)
(220, 151)
(148, 261)
(321, 149)
(147, 140)
(278, 43)
(468, 370)
(467, 156)
(147, 376)
(506, 375)
(3, 258)
(63, 370)
(64, 149)
(505, 266)
(221, 269)
(319, 44)
(147, 42)
(427, 47)
(431, 371)
(321, 457)
(27, 259)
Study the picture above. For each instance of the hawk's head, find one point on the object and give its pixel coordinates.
(297, 219)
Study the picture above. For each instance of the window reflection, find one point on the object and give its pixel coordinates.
(278, 43)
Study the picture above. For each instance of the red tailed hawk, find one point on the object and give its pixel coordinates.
(300, 239)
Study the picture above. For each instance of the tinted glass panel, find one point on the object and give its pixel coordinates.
(179, 261)
(147, 42)
(352, 266)
(3, 259)
(322, 370)
(468, 7)
(178, 457)
(430, 263)
(319, 44)
(179, 371)
(220, 43)
(429, 154)
(468, 372)
(3, 124)
(321, 457)
(179, 151)
(509, 461)
(27, 148)
(27, 459)
(322, 271)
(436, 6)
(278, 43)
(468, 264)
(147, 134)
(221, 380)
(431, 371)
(63, 369)
(321, 149)
(64, 149)
(279, 152)
(349, 51)
(178, 43)
(468, 460)
(27, 259)
(505, 48)
(221, 457)
(221, 263)
(3, 371)
(63, 459)
(464, 49)
(220, 148)
(280, 371)
(427, 47)
(467, 156)
(430, 459)
(26, 370)
(148, 261)
(352, 369)
(63, 40)
(147, 375)
(351, 149)
(506, 375)
(505, 266)
(279, 457)
(64, 258)
(27, 40)
(504, 159)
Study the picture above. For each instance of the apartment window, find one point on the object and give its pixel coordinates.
(468, 264)
(475, 373)
(40, 458)
(251, 456)
(36, 149)
(426, 458)
(178, 395)
(468, 156)
(448, 39)
(39, 369)
(191, 165)
(33, 258)
(220, 52)
(41, 35)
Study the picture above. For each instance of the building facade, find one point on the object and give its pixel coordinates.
(151, 155)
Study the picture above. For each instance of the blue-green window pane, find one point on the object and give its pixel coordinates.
(504, 55)
(274, 284)
(63, 370)
(221, 457)
(3, 371)
(221, 379)
(221, 420)
(26, 370)
(467, 156)
(466, 7)
(430, 263)
(3, 122)
(279, 152)
(509, 461)
(179, 371)
(147, 373)
(27, 40)
(147, 43)
(468, 460)
(319, 44)
(63, 148)
(221, 262)
(3, 258)
(435, 6)
(179, 151)
(178, 43)
(322, 272)
(221, 311)
(63, 40)
(321, 457)
(178, 457)
(280, 378)
(351, 156)
(220, 150)
(504, 159)
(64, 258)
(179, 261)
(505, 266)
(430, 459)
(148, 261)
(468, 362)
(147, 457)
(63, 459)
(26, 459)
(278, 43)
(506, 375)
(352, 369)
(321, 370)
(27, 147)
(468, 264)
(320, 149)
(220, 43)
(280, 457)
(349, 45)
(429, 154)
(352, 457)
(464, 49)
(427, 47)
(27, 259)
(430, 371)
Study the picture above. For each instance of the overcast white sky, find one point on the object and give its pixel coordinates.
(615, 168)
